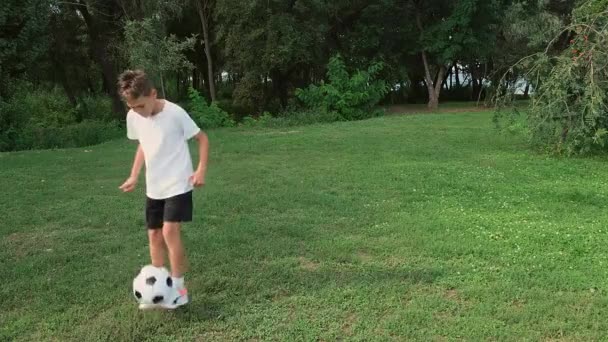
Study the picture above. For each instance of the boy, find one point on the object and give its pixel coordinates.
(163, 130)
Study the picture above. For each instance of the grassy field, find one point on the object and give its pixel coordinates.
(419, 227)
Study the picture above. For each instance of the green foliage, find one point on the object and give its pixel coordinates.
(264, 50)
(458, 29)
(248, 121)
(149, 48)
(207, 116)
(530, 25)
(569, 113)
(94, 107)
(291, 118)
(37, 107)
(268, 39)
(352, 97)
(526, 28)
(39, 118)
(80, 134)
(266, 119)
(249, 92)
(24, 27)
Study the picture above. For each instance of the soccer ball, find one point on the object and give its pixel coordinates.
(153, 285)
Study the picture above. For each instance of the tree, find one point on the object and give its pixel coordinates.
(449, 31)
(148, 48)
(353, 97)
(268, 46)
(23, 37)
(204, 8)
(526, 28)
(69, 63)
(102, 21)
(568, 112)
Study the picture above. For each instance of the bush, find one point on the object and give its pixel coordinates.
(95, 107)
(248, 121)
(6, 126)
(236, 111)
(76, 135)
(207, 116)
(39, 118)
(45, 108)
(352, 97)
(292, 118)
(38, 107)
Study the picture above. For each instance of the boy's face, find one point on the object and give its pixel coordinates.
(143, 105)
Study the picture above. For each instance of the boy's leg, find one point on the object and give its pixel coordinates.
(178, 209)
(177, 258)
(154, 221)
(172, 237)
(157, 247)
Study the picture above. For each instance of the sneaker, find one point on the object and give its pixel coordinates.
(181, 298)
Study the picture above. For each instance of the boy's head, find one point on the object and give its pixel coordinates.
(138, 91)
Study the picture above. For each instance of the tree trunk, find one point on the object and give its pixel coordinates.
(433, 101)
(457, 74)
(203, 5)
(162, 86)
(451, 77)
(67, 88)
(204, 79)
(445, 79)
(194, 78)
(485, 74)
(475, 88)
(434, 88)
(177, 87)
(279, 85)
(527, 90)
(102, 58)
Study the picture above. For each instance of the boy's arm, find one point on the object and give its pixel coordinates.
(138, 162)
(198, 178)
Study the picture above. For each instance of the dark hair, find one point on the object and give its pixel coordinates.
(134, 83)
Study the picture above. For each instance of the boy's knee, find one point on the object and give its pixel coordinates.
(156, 236)
(171, 230)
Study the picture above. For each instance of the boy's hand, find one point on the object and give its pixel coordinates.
(129, 184)
(197, 179)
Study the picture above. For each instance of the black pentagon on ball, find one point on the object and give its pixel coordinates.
(150, 281)
(169, 281)
(157, 299)
(137, 294)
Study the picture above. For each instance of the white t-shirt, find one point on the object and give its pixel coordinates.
(164, 140)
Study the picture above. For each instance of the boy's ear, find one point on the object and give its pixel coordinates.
(154, 93)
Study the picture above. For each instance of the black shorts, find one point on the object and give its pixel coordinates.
(173, 209)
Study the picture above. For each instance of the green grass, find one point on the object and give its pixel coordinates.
(429, 228)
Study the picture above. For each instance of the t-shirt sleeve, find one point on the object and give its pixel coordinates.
(188, 125)
(131, 128)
